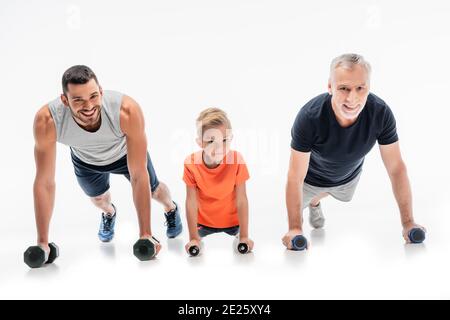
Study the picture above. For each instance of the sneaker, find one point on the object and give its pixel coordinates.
(106, 232)
(173, 223)
(316, 217)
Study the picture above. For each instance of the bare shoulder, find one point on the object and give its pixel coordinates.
(130, 114)
(129, 107)
(44, 126)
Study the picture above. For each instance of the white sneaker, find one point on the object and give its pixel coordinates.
(316, 218)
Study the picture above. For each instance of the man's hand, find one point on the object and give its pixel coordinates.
(46, 248)
(287, 239)
(408, 227)
(157, 244)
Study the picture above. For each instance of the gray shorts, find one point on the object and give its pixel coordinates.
(343, 193)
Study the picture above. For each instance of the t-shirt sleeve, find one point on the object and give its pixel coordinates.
(188, 177)
(242, 174)
(388, 133)
(302, 132)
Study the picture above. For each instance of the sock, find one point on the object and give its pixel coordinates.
(110, 215)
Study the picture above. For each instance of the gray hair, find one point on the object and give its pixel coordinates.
(349, 60)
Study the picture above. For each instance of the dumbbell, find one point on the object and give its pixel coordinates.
(299, 243)
(194, 251)
(243, 248)
(416, 235)
(145, 249)
(34, 256)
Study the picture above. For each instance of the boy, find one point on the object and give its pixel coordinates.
(215, 177)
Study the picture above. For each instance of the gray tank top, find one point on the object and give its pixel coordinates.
(100, 148)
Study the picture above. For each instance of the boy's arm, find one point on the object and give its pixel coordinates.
(192, 212)
(242, 209)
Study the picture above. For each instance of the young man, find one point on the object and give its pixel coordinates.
(215, 178)
(330, 138)
(106, 134)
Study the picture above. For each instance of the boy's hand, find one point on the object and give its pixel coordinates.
(193, 242)
(249, 242)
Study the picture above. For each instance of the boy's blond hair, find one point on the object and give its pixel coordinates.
(212, 118)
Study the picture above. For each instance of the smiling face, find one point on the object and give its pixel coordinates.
(349, 88)
(84, 101)
(215, 144)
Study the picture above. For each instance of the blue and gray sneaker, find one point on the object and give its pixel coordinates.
(106, 232)
(173, 223)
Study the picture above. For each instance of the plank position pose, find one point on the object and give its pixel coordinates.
(106, 134)
(331, 136)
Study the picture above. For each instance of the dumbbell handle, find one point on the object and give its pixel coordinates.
(194, 251)
(416, 235)
(299, 243)
(36, 256)
(243, 248)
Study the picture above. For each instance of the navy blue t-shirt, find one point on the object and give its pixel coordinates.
(337, 153)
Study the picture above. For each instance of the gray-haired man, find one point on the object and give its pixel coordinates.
(331, 136)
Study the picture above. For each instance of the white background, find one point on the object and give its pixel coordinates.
(260, 61)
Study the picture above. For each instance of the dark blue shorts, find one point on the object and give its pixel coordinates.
(94, 180)
(204, 231)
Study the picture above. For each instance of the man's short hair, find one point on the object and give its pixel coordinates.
(77, 75)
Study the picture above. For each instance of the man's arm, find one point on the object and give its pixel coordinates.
(298, 168)
(398, 175)
(242, 209)
(133, 126)
(44, 183)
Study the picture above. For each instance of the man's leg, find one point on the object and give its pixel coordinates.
(316, 217)
(161, 193)
(163, 196)
(103, 202)
(316, 200)
(311, 199)
(95, 185)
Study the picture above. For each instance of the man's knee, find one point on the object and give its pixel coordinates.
(160, 190)
(101, 198)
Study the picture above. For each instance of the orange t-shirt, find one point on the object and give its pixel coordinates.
(216, 194)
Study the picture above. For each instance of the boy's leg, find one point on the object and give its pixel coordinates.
(233, 231)
(205, 231)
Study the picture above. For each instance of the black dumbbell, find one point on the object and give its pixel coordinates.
(194, 251)
(299, 243)
(34, 256)
(144, 249)
(243, 248)
(416, 235)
